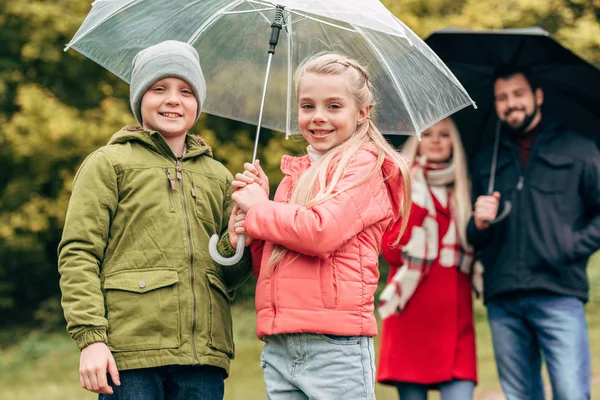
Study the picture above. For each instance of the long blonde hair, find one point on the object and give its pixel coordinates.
(318, 183)
(461, 199)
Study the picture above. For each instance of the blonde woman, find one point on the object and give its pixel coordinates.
(316, 246)
(428, 338)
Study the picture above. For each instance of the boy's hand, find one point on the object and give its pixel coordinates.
(252, 174)
(236, 227)
(94, 361)
(249, 197)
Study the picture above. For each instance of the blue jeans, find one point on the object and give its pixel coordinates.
(529, 324)
(453, 390)
(304, 366)
(173, 382)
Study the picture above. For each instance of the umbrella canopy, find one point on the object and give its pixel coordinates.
(413, 87)
(571, 85)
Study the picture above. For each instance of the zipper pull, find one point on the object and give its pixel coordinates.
(178, 169)
(520, 183)
(171, 179)
(193, 192)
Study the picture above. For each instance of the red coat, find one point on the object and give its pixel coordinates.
(433, 339)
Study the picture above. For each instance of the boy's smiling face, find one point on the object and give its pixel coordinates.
(169, 107)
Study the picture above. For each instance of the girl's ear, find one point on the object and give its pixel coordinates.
(363, 114)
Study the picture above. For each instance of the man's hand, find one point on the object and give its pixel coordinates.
(94, 361)
(486, 209)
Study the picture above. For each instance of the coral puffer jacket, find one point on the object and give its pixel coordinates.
(326, 283)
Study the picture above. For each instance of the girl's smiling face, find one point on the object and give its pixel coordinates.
(327, 113)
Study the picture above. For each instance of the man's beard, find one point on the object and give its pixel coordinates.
(512, 130)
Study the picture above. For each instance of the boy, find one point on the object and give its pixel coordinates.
(141, 295)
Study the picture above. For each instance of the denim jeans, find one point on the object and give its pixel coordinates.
(528, 326)
(174, 382)
(453, 390)
(306, 366)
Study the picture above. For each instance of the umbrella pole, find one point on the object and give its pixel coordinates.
(494, 159)
(273, 40)
(262, 107)
(507, 204)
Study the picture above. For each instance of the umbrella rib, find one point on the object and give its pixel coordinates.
(289, 77)
(298, 20)
(388, 70)
(517, 52)
(262, 3)
(259, 11)
(118, 10)
(248, 11)
(323, 22)
(212, 19)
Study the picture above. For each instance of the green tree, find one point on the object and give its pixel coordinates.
(56, 107)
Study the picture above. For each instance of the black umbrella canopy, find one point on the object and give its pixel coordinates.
(571, 85)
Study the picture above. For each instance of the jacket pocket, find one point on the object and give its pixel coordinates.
(329, 283)
(142, 310)
(219, 315)
(171, 188)
(208, 200)
(553, 174)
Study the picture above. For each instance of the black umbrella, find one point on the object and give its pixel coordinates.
(571, 85)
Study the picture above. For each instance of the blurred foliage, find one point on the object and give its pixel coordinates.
(56, 107)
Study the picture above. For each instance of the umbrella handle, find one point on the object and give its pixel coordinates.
(276, 27)
(214, 253)
(505, 211)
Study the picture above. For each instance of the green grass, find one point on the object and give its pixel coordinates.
(44, 366)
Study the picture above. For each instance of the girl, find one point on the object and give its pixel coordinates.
(317, 244)
(431, 343)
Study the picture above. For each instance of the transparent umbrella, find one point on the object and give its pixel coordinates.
(413, 87)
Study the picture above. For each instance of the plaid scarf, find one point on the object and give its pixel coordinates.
(423, 247)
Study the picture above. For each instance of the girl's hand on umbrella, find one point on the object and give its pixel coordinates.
(486, 209)
(240, 181)
(236, 227)
(252, 174)
(250, 196)
(256, 171)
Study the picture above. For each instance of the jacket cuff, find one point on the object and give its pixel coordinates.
(224, 246)
(91, 336)
(478, 238)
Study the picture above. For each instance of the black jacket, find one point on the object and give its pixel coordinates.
(545, 243)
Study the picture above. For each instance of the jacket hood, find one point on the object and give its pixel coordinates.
(393, 180)
(395, 184)
(195, 144)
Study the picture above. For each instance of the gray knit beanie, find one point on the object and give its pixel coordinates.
(170, 58)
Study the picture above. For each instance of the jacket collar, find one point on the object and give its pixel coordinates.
(547, 128)
(196, 146)
(296, 166)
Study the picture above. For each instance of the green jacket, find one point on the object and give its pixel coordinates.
(133, 259)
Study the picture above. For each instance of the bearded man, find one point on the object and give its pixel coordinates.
(535, 280)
